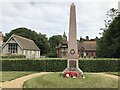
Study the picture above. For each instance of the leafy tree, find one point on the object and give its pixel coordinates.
(54, 41)
(40, 39)
(109, 44)
(111, 14)
(43, 43)
(22, 32)
(87, 38)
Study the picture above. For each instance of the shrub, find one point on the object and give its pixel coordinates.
(52, 55)
(59, 65)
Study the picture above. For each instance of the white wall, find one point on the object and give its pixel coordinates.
(20, 51)
(37, 55)
(32, 54)
(5, 50)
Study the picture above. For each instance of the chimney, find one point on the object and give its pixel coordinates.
(1, 39)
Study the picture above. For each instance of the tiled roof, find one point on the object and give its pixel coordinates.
(25, 43)
(88, 45)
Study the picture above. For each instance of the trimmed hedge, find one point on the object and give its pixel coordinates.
(60, 65)
(13, 56)
(100, 65)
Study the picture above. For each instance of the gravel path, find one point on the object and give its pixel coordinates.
(18, 83)
(109, 75)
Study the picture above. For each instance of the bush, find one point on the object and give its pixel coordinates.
(59, 65)
(52, 55)
(13, 56)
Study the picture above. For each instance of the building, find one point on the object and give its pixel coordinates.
(63, 48)
(1, 39)
(17, 45)
(86, 48)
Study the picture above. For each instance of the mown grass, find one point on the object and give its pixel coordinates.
(54, 80)
(10, 75)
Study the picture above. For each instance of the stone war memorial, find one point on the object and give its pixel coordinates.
(72, 58)
(29, 59)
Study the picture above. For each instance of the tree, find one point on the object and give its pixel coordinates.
(54, 41)
(109, 44)
(43, 43)
(40, 39)
(111, 14)
(87, 38)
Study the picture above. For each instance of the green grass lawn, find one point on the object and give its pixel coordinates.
(54, 80)
(7, 76)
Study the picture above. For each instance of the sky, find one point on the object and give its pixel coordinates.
(51, 17)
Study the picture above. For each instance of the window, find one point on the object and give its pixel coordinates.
(12, 47)
(64, 54)
(92, 53)
(86, 53)
(63, 50)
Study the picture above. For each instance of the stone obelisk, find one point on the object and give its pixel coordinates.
(72, 59)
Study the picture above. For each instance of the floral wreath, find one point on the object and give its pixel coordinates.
(72, 51)
(71, 74)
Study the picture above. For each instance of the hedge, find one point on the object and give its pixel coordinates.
(60, 65)
(13, 56)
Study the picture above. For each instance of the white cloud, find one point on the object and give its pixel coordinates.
(52, 17)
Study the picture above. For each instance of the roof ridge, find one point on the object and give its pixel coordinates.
(22, 37)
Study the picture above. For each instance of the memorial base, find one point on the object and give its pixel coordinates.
(71, 69)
